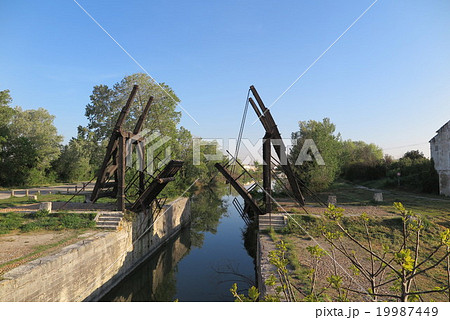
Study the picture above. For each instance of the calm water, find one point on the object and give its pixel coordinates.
(200, 263)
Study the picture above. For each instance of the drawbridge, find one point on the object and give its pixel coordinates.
(141, 190)
(272, 139)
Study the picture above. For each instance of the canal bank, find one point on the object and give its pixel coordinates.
(88, 269)
(201, 263)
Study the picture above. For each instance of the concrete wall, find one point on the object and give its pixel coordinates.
(264, 269)
(88, 269)
(440, 153)
(156, 274)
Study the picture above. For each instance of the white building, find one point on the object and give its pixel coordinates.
(440, 153)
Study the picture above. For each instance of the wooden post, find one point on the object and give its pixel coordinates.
(45, 206)
(121, 175)
(270, 126)
(332, 200)
(27, 193)
(267, 176)
(378, 197)
(141, 168)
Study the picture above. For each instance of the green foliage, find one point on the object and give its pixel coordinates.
(6, 111)
(37, 126)
(402, 262)
(41, 214)
(357, 161)
(44, 220)
(253, 294)
(28, 144)
(361, 161)
(74, 163)
(105, 106)
(316, 251)
(83, 156)
(10, 221)
(207, 207)
(75, 221)
(317, 177)
(417, 173)
(404, 258)
(334, 213)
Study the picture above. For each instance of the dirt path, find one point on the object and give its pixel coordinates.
(30, 246)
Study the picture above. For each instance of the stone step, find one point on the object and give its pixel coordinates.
(107, 227)
(273, 225)
(273, 222)
(267, 218)
(276, 220)
(267, 226)
(109, 223)
(103, 218)
(115, 215)
(109, 220)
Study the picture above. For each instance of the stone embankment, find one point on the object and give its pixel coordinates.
(89, 268)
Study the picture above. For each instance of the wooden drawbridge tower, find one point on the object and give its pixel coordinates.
(111, 179)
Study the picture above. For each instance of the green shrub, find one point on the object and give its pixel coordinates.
(41, 213)
(76, 221)
(10, 221)
(32, 226)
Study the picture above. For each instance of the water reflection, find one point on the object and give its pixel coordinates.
(154, 280)
(200, 263)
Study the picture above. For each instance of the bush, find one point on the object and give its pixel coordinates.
(76, 221)
(41, 214)
(32, 226)
(10, 221)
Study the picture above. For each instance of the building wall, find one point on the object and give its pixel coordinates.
(88, 269)
(440, 153)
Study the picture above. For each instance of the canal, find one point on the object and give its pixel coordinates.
(200, 263)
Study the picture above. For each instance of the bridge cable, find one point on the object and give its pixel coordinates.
(241, 129)
(305, 231)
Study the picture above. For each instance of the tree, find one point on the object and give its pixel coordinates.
(17, 160)
(29, 142)
(37, 126)
(6, 111)
(417, 173)
(106, 104)
(395, 268)
(360, 152)
(316, 176)
(73, 164)
(362, 161)
(413, 155)
(163, 119)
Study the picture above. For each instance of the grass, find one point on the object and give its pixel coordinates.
(54, 197)
(19, 201)
(43, 220)
(384, 231)
(433, 206)
(10, 221)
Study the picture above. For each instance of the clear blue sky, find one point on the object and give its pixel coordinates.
(386, 81)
